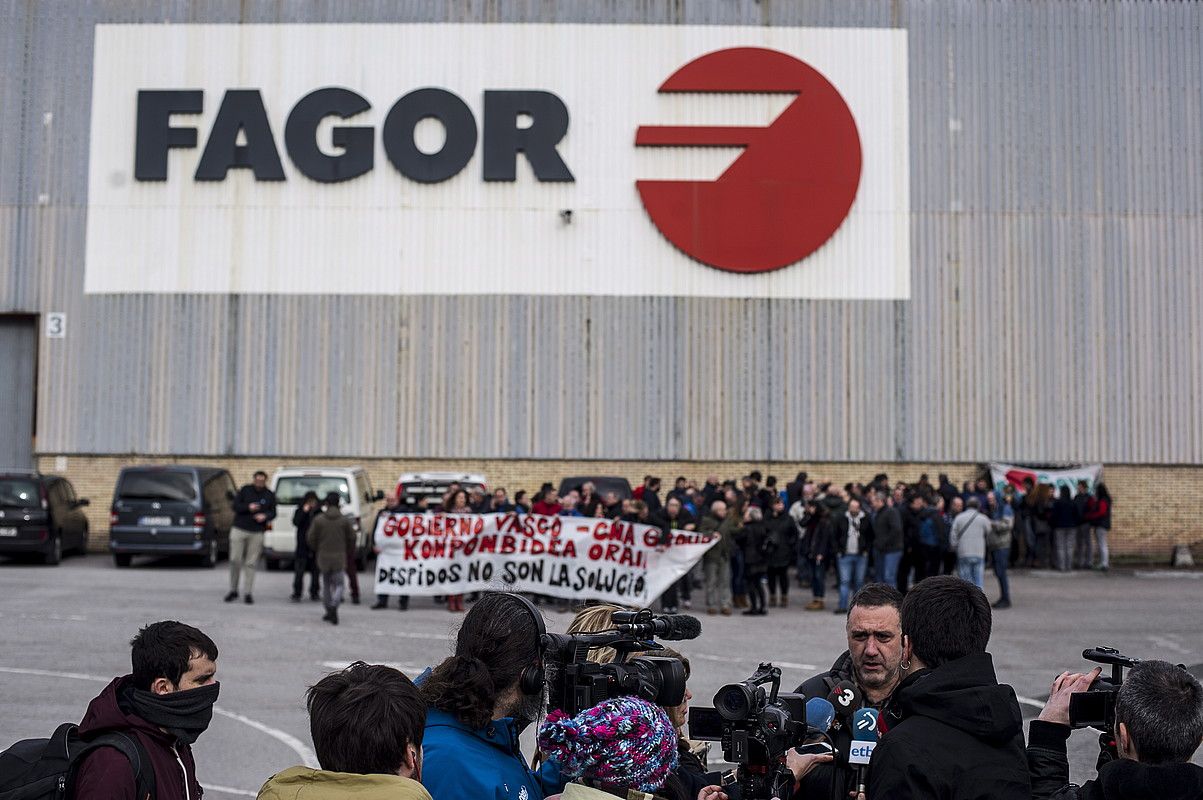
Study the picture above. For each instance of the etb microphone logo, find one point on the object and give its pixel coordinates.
(790, 189)
(864, 736)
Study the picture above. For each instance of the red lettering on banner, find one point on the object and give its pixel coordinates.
(508, 545)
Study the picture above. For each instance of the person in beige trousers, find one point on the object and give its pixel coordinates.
(254, 509)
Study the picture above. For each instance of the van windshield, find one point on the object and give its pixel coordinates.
(19, 493)
(290, 490)
(157, 485)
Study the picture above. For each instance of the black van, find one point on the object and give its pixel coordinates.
(40, 515)
(171, 510)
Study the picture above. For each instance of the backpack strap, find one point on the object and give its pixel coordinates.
(132, 749)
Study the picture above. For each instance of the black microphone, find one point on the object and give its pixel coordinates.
(846, 699)
(672, 627)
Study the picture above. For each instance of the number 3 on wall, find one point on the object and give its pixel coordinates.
(56, 325)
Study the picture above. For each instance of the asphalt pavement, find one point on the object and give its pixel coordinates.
(64, 632)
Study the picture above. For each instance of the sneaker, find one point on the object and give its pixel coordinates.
(380, 604)
(231, 597)
(725, 611)
(751, 612)
(250, 601)
(334, 616)
(816, 605)
(1002, 604)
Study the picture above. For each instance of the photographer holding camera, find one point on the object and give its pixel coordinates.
(871, 665)
(950, 730)
(1158, 726)
(480, 699)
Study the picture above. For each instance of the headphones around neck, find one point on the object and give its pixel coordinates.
(531, 681)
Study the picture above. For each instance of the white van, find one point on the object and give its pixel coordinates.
(433, 485)
(359, 504)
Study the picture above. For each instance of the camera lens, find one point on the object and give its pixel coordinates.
(736, 701)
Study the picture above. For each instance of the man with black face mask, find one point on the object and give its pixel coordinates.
(164, 705)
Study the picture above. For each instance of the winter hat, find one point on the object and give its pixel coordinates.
(624, 743)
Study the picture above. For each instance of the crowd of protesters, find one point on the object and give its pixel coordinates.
(897, 533)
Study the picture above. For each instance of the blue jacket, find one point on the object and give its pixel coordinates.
(459, 763)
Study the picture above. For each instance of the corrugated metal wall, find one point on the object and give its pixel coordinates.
(1057, 233)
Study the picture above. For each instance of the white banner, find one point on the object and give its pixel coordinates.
(576, 558)
(267, 159)
(1002, 474)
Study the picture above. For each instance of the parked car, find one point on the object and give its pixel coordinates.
(602, 484)
(413, 485)
(40, 515)
(172, 510)
(359, 504)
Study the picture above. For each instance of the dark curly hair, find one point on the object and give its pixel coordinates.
(496, 642)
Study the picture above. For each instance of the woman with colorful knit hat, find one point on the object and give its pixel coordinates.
(620, 744)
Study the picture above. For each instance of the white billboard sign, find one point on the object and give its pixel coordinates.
(453, 159)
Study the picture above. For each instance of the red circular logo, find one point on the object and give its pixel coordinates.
(789, 190)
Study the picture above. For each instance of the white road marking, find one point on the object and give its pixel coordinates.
(296, 745)
(1027, 701)
(411, 670)
(434, 637)
(1169, 642)
(1165, 573)
(227, 790)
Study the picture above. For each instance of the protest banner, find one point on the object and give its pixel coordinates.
(575, 558)
(1002, 474)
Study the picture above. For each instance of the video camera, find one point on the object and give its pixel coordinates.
(577, 683)
(756, 727)
(1095, 708)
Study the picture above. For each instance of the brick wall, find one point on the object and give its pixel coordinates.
(1155, 506)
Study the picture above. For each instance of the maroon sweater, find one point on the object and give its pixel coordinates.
(106, 773)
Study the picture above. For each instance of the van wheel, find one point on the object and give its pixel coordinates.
(54, 553)
(209, 559)
(83, 544)
(122, 559)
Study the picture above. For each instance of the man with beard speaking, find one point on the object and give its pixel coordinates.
(863, 677)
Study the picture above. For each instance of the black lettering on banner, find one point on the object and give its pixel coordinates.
(357, 142)
(154, 135)
(504, 140)
(241, 111)
(457, 121)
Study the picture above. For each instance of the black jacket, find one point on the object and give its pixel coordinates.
(783, 541)
(818, 782)
(839, 531)
(1117, 780)
(951, 733)
(244, 518)
(887, 530)
(1065, 514)
(752, 539)
(301, 520)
